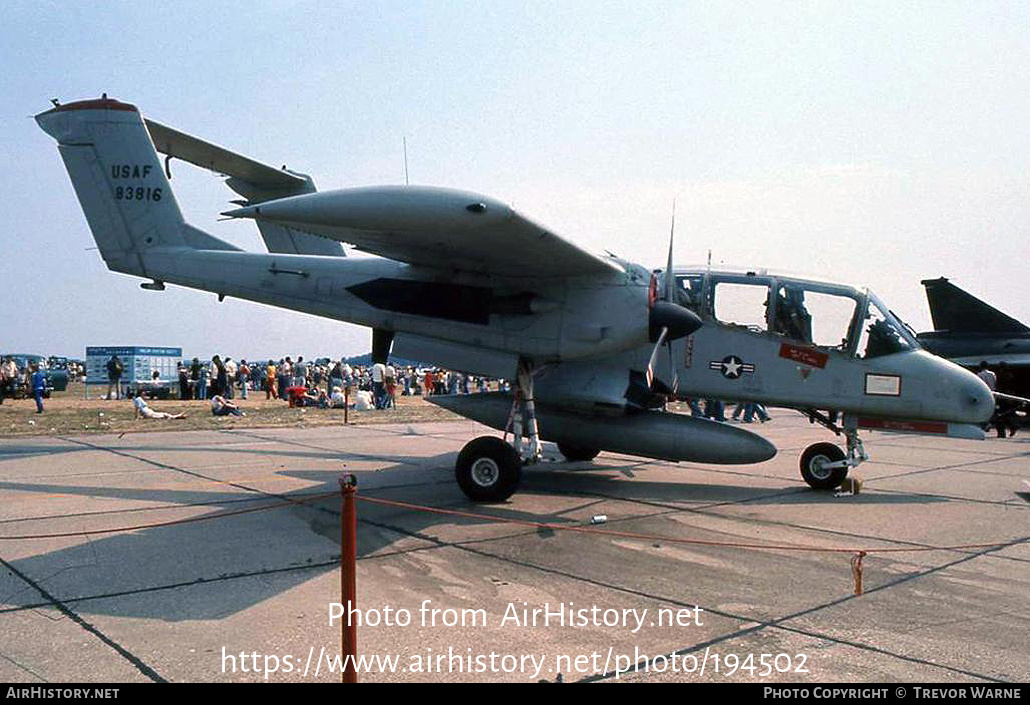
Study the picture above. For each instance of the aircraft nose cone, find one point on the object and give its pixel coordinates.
(978, 400)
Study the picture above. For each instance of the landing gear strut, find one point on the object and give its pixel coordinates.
(824, 466)
(488, 469)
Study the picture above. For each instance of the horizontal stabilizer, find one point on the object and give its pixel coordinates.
(957, 311)
(254, 181)
(206, 155)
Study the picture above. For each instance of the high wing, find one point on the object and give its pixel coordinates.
(434, 227)
(255, 181)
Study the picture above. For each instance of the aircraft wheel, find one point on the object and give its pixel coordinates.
(488, 469)
(813, 470)
(574, 452)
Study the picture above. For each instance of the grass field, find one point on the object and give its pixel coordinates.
(68, 412)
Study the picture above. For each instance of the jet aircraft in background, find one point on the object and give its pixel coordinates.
(969, 332)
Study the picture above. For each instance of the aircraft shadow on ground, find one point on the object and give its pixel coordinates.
(211, 569)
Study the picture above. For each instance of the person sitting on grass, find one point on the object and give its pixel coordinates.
(315, 397)
(295, 394)
(307, 396)
(146, 412)
(338, 400)
(220, 406)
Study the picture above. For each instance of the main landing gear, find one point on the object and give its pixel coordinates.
(488, 468)
(824, 466)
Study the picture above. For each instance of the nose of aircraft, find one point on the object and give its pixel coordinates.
(972, 399)
(979, 399)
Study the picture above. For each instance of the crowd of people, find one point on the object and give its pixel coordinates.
(323, 383)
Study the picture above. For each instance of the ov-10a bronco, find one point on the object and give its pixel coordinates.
(596, 344)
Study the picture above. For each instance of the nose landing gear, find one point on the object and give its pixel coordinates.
(824, 466)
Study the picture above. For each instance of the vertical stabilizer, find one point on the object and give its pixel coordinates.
(119, 181)
(957, 311)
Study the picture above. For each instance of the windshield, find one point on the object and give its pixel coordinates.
(882, 333)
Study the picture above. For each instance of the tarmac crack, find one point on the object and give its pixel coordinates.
(72, 615)
(22, 667)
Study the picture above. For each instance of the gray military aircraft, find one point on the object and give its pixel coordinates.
(596, 344)
(968, 331)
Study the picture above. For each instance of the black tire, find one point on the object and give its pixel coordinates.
(574, 452)
(817, 477)
(488, 470)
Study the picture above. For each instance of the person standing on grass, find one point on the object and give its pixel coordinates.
(231, 369)
(114, 377)
(285, 375)
(38, 386)
(184, 382)
(271, 383)
(244, 373)
(8, 378)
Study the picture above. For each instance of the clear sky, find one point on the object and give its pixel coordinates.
(877, 143)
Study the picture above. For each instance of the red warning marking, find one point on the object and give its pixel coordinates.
(96, 104)
(806, 356)
(897, 425)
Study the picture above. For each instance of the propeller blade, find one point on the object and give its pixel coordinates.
(669, 279)
(675, 372)
(654, 355)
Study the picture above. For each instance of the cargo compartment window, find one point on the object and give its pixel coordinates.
(741, 305)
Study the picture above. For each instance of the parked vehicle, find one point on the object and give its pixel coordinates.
(57, 379)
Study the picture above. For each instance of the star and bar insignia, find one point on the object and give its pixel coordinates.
(731, 366)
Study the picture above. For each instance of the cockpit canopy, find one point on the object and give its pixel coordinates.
(829, 316)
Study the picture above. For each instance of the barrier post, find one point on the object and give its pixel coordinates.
(348, 576)
(346, 404)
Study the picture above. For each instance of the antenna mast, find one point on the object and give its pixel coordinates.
(406, 161)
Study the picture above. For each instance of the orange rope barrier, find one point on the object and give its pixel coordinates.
(671, 539)
(154, 525)
(856, 558)
(858, 554)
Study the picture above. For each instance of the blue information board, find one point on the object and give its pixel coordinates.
(138, 363)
